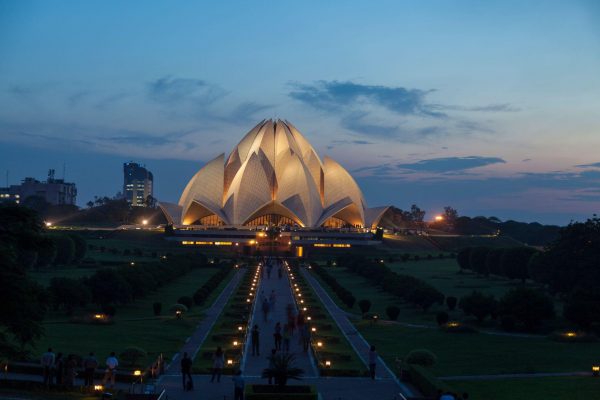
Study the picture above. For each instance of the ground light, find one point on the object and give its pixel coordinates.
(595, 370)
(137, 372)
(145, 222)
(98, 388)
(240, 328)
(230, 362)
(48, 224)
(328, 364)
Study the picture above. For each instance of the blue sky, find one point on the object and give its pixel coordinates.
(491, 107)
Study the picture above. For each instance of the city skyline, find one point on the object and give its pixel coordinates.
(491, 109)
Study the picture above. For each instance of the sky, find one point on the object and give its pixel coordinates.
(490, 107)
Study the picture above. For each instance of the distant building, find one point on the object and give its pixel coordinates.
(54, 191)
(138, 184)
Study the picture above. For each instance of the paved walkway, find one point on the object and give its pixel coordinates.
(194, 342)
(360, 345)
(513, 376)
(252, 366)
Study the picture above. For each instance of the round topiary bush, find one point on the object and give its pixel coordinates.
(392, 312)
(157, 308)
(421, 357)
(186, 301)
(451, 302)
(131, 355)
(442, 318)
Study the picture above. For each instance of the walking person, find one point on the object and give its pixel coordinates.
(372, 361)
(186, 372)
(255, 336)
(286, 338)
(265, 309)
(90, 363)
(277, 336)
(271, 359)
(59, 369)
(218, 363)
(238, 386)
(272, 300)
(111, 370)
(70, 366)
(47, 362)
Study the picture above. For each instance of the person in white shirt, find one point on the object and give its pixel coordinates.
(111, 370)
(372, 362)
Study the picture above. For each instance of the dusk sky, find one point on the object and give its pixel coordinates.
(490, 107)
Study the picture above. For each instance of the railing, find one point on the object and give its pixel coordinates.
(251, 313)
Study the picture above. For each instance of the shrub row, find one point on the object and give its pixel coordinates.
(406, 287)
(344, 294)
(202, 294)
(109, 287)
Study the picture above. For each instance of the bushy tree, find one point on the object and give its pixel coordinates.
(442, 318)
(364, 305)
(451, 302)
(109, 287)
(493, 261)
(68, 293)
(80, 246)
(463, 258)
(528, 306)
(583, 308)
(515, 261)
(477, 260)
(65, 248)
(392, 312)
(478, 305)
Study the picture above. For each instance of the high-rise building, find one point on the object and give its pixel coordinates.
(137, 184)
(54, 191)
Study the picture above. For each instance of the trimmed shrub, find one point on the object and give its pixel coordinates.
(528, 306)
(426, 382)
(451, 302)
(186, 301)
(157, 308)
(442, 318)
(131, 355)
(364, 305)
(478, 305)
(422, 357)
(392, 312)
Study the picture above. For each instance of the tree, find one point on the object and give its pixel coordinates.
(109, 287)
(451, 302)
(515, 261)
(477, 260)
(65, 248)
(90, 204)
(425, 295)
(282, 368)
(364, 305)
(68, 293)
(80, 246)
(528, 306)
(22, 305)
(478, 305)
(583, 308)
(463, 258)
(442, 318)
(416, 215)
(493, 261)
(450, 216)
(392, 312)
(36, 203)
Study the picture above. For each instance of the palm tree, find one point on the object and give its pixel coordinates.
(283, 368)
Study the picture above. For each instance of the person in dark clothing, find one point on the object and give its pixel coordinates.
(238, 386)
(271, 365)
(277, 336)
(59, 369)
(186, 372)
(70, 366)
(89, 367)
(255, 336)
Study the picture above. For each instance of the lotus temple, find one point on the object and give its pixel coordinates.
(272, 178)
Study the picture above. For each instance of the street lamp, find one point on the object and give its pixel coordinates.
(144, 222)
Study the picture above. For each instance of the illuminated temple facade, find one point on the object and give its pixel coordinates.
(272, 177)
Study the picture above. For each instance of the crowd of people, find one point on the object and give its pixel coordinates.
(61, 371)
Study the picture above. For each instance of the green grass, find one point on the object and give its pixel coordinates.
(477, 353)
(572, 388)
(135, 324)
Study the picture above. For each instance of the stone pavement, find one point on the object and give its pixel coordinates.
(194, 342)
(252, 366)
(360, 345)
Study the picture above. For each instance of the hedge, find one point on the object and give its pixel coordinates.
(344, 294)
(426, 382)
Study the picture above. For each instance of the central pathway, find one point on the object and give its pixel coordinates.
(252, 366)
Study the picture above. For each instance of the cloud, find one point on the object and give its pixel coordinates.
(493, 108)
(592, 165)
(245, 112)
(450, 164)
(335, 143)
(356, 122)
(336, 95)
(174, 91)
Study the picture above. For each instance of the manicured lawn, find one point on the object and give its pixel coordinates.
(572, 388)
(477, 353)
(135, 324)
